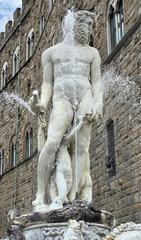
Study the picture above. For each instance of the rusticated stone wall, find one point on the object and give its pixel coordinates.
(119, 194)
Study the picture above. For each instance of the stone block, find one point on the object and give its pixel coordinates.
(16, 14)
(8, 27)
(1, 36)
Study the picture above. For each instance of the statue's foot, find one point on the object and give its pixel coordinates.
(86, 195)
(55, 205)
(72, 196)
(66, 200)
(41, 208)
(38, 201)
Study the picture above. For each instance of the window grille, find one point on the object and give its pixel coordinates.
(13, 154)
(16, 60)
(115, 23)
(1, 160)
(42, 24)
(29, 144)
(4, 75)
(30, 44)
(111, 161)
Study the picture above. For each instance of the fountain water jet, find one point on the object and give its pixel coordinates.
(15, 101)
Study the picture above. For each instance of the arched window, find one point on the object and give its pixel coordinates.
(115, 23)
(4, 75)
(1, 160)
(30, 44)
(42, 24)
(13, 153)
(29, 143)
(120, 15)
(112, 25)
(16, 60)
(51, 2)
(111, 162)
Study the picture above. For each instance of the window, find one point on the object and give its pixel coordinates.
(4, 75)
(30, 44)
(16, 60)
(1, 160)
(42, 24)
(120, 16)
(13, 154)
(112, 24)
(115, 23)
(111, 163)
(29, 143)
(51, 2)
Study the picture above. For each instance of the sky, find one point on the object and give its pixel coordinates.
(7, 8)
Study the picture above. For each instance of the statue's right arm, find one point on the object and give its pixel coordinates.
(47, 86)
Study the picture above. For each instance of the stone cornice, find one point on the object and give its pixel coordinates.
(35, 153)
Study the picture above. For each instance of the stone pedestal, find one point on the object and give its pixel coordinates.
(87, 222)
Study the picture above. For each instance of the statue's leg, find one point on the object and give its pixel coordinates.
(80, 157)
(85, 186)
(41, 137)
(53, 188)
(60, 119)
(63, 173)
(80, 160)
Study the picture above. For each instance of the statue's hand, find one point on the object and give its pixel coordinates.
(41, 107)
(33, 105)
(36, 105)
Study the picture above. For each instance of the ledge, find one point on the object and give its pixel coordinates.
(19, 164)
(125, 40)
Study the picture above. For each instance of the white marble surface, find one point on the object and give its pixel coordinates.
(72, 78)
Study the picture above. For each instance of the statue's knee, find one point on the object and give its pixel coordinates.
(51, 147)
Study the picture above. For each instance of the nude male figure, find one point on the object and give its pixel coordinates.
(72, 78)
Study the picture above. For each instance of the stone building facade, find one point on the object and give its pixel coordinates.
(116, 140)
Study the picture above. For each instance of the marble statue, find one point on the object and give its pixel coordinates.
(72, 79)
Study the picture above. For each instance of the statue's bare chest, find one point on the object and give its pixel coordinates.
(72, 54)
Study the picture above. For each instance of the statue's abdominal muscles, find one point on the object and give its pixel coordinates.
(72, 79)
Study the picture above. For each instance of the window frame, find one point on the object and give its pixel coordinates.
(28, 146)
(1, 161)
(16, 65)
(42, 24)
(4, 75)
(13, 152)
(111, 153)
(118, 9)
(51, 3)
(30, 40)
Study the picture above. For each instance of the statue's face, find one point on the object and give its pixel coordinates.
(83, 29)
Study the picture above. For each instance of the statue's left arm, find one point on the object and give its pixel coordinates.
(97, 87)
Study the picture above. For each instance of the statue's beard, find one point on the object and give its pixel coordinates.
(81, 35)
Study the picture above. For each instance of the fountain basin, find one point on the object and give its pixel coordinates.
(77, 218)
(55, 231)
